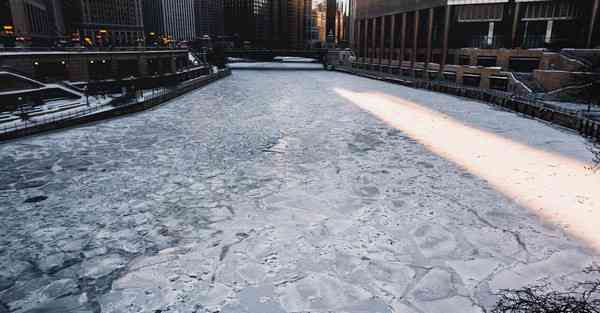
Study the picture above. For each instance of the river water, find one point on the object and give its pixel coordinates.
(292, 191)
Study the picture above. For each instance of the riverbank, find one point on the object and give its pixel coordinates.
(531, 107)
(116, 107)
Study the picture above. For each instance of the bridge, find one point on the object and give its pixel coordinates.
(318, 55)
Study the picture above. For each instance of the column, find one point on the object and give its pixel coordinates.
(549, 25)
(392, 38)
(429, 38)
(403, 38)
(365, 42)
(413, 58)
(382, 40)
(515, 25)
(490, 36)
(593, 23)
(448, 12)
(374, 36)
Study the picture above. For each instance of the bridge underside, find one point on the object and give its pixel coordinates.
(305, 56)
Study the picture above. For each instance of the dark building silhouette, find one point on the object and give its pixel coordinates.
(269, 23)
(249, 21)
(209, 16)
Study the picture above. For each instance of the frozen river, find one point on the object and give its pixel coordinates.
(294, 191)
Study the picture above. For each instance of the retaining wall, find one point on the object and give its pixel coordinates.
(585, 126)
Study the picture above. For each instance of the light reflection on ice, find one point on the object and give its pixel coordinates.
(559, 189)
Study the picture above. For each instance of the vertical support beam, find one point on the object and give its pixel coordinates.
(403, 37)
(392, 39)
(447, 16)
(490, 36)
(382, 40)
(374, 37)
(429, 37)
(515, 25)
(365, 43)
(593, 23)
(413, 58)
(549, 26)
(356, 36)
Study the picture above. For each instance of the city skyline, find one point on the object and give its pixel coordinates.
(276, 23)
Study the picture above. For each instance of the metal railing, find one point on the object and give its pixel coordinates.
(153, 97)
(534, 98)
(486, 42)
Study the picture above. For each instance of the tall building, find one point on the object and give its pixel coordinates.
(173, 19)
(209, 16)
(30, 22)
(481, 23)
(251, 21)
(269, 23)
(105, 22)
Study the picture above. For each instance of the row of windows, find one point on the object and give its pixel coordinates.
(118, 12)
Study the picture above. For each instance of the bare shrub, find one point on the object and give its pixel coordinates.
(582, 297)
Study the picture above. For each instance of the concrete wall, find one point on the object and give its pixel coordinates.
(78, 63)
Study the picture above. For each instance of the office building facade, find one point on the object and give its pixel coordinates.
(209, 17)
(173, 20)
(424, 31)
(31, 22)
(269, 23)
(106, 22)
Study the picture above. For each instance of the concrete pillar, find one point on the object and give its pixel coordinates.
(403, 37)
(549, 25)
(447, 15)
(374, 36)
(143, 66)
(365, 40)
(429, 37)
(515, 25)
(490, 36)
(173, 64)
(77, 69)
(392, 39)
(413, 58)
(382, 40)
(593, 23)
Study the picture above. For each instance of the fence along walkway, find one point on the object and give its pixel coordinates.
(119, 106)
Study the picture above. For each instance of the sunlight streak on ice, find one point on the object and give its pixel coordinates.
(559, 189)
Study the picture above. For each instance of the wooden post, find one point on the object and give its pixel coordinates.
(429, 37)
(403, 38)
(413, 59)
(447, 16)
(515, 25)
(382, 40)
(593, 23)
(392, 38)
